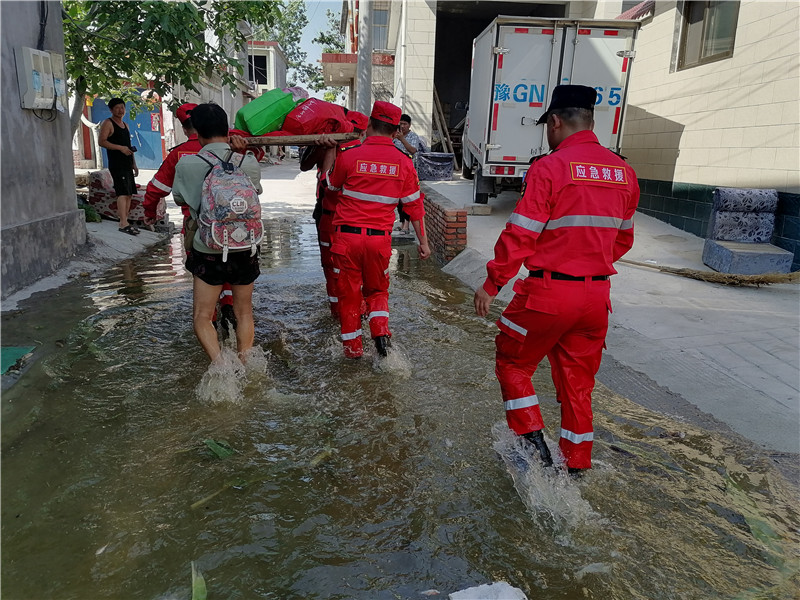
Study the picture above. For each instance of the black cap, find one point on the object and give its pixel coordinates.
(570, 96)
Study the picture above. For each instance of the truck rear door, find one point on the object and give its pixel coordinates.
(526, 56)
(599, 56)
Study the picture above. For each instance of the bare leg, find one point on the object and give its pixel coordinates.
(243, 309)
(205, 302)
(123, 208)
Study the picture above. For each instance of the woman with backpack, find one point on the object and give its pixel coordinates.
(222, 195)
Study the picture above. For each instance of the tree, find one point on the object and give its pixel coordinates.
(287, 30)
(112, 46)
(332, 41)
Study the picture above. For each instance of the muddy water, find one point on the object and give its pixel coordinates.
(360, 479)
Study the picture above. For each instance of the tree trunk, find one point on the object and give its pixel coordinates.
(80, 102)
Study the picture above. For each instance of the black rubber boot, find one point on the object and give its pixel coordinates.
(536, 438)
(382, 344)
(575, 473)
(228, 320)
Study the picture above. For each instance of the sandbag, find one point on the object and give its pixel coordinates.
(265, 113)
(316, 116)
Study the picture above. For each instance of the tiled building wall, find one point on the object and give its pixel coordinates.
(687, 206)
(420, 47)
(733, 122)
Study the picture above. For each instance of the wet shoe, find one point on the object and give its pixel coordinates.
(382, 345)
(536, 439)
(575, 473)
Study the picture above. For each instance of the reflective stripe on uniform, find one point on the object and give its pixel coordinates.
(577, 438)
(378, 313)
(514, 326)
(410, 198)
(325, 244)
(162, 186)
(626, 224)
(333, 299)
(227, 293)
(584, 221)
(525, 402)
(335, 270)
(351, 336)
(526, 223)
(370, 197)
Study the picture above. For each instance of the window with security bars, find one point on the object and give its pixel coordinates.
(708, 32)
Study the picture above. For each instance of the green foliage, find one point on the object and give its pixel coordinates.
(90, 213)
(332, 41)
(114, 45)
(199, 591)
(287, 30)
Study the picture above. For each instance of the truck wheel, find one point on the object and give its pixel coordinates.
(466, 169)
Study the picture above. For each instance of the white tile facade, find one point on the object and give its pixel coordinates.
(734, 122)
(420, 44)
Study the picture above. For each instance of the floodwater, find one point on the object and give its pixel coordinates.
(348, 479)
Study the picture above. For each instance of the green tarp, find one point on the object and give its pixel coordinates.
(11, 354)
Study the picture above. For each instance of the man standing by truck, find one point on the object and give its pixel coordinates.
(573, 221)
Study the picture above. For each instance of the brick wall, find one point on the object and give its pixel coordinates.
(446, 224)
(688, 207)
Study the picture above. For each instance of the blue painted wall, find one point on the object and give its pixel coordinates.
(147, 141)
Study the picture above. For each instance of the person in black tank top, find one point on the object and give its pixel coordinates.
(115, 137)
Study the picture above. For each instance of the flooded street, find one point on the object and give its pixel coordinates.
(348, 479)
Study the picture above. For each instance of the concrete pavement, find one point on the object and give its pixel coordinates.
(731, 352)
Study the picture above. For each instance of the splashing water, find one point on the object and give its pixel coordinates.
(548, 493)
(224, 380)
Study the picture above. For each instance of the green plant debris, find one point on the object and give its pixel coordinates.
(220, 448)
(320, 458)
(199, 591)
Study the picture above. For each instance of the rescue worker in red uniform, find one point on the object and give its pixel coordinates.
(372, 177)
(313, 157)
(161, 185)
(573, 221)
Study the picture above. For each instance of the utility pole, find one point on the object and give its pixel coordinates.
(364, 66)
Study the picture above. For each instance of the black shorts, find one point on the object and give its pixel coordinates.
(239, 269)
(124, 183)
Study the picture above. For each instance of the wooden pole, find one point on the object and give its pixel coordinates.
(298, 140)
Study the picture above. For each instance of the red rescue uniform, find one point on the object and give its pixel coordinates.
(161, 184)
(573, 220)
(372, 177)
(329, 198)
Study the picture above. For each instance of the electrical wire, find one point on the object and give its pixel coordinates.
(43, 13)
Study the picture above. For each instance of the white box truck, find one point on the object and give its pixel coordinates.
(516, 63)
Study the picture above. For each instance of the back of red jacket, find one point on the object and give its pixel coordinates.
(372, 178)
(575, 215)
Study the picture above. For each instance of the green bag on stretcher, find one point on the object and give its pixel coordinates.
(266, 113)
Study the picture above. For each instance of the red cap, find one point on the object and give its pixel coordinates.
(184, 111)
(359, 120)
(386, 112)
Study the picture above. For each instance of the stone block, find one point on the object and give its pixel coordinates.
(478, 209)
(743, 258)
